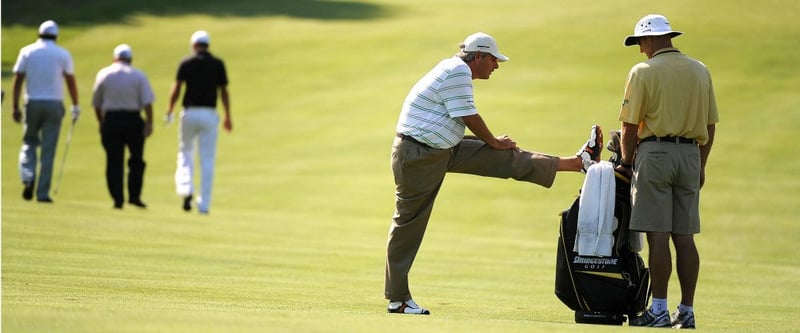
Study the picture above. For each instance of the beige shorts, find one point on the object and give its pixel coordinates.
(665, 190)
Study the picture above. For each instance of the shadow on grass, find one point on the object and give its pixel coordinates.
(84, 13)
(88, 12)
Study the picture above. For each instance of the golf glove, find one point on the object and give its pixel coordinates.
(76, 112)
(168, 118)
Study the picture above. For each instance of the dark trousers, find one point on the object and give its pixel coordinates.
(120, 129)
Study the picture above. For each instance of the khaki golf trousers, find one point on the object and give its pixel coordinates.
(418, 174)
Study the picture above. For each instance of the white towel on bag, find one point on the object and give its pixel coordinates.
(596, 221)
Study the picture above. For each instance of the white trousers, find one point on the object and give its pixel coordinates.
(198, 127)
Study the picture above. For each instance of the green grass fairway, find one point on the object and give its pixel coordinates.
(303, 195)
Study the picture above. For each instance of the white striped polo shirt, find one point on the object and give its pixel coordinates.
(432, 110)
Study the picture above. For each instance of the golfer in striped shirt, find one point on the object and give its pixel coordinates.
(430, 142)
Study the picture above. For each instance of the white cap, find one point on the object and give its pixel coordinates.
(48, 28)
(481, 42)
(650, 25)
(200, 37)
(123, 51)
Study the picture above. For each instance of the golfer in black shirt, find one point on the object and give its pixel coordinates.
(204, 75)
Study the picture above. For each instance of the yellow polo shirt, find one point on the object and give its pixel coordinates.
(670, 94)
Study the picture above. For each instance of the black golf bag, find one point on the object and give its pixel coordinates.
(602, 290)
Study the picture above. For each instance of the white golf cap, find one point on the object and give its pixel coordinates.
(48, 28)
(650, 25)
(200, 37)
(481, 42)
(123, 51)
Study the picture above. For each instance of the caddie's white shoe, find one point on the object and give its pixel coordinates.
(407, 307)
(590, 152)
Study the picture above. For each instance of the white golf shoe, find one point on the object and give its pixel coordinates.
(590, 151)
(407, 307)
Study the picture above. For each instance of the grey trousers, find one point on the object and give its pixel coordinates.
(42, 127)
(419, 172)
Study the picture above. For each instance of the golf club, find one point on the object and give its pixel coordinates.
(64, 158)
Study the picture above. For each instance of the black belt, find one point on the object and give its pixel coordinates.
(406, 137)
(119, 111)
(673, 139)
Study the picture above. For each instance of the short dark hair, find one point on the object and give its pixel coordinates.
(202, 46)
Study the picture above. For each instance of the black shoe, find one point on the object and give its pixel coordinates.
(650, 319)
(45, 200)
(27, 193)
(187, 203)
(682, 320)
(138, 203)
(117, 205)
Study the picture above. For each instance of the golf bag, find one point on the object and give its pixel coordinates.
(602, 290)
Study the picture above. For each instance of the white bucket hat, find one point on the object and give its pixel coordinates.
(481, 42)
(651, 25)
